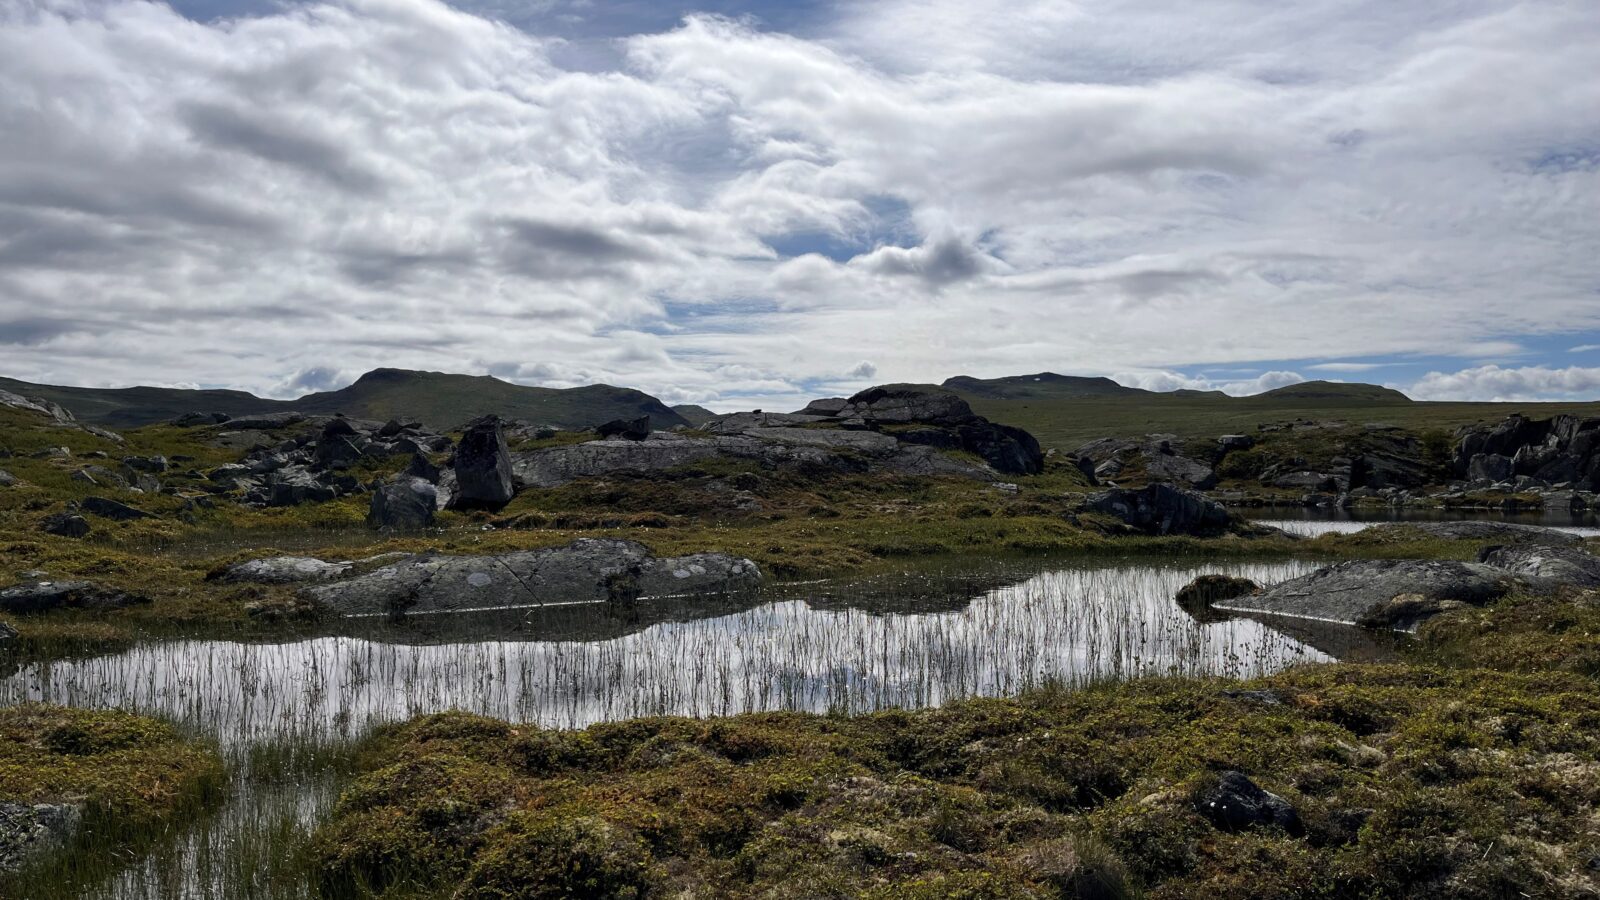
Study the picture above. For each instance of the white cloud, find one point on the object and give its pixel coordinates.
(1585, 348)
(1524, 384)
(1105, 185)
(1345, 367)
(1173, 381)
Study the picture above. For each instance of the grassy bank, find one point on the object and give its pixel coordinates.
(1409, 782)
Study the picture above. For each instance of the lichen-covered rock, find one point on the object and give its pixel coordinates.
(43, 596)
(1382, 593)
(1561, 564)
(406, 504)
(585, 571)
(283, 570)
(28, 831)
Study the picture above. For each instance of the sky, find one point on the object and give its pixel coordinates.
(754, 204)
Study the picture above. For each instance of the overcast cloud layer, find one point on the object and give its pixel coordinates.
(1235, 194)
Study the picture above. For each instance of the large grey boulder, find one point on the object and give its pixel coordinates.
(1162, 509)
(627, 429)
(585, 571)
(282, 570)
(1159, 454)
(405, 504)
(483, 466)
(1383, 593)
(28, 831)
(65, 524)
(43, 596)
(1566, 564)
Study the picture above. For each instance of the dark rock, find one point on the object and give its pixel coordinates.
(294, 486)
(7, 479)
(421, 467)
(1387, 470)
(65, 524)
(905, 403)
(1008, 450)
(43, 596)
(827, 408)
(197, 419)
(1396, 594)
(585, 571)
(1559, 564)
(407, 504)
(100, 476)
(111, 509)
(391, 428)
(30, 831)
(1234, 803)
(155, 465)
(281, 570)
(1197, 596)
(1231, 442)
(482, 466)
(1490, 467)
(627, 429)
(1162, 509)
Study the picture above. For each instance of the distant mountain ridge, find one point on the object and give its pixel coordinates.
(437, 399)
(1050, 386)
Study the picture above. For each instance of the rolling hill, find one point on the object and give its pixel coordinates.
(1066, 412)
(437, 399)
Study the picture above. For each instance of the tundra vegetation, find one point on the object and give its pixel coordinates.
(1462, 766)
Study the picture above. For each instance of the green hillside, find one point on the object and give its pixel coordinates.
(695, 415)
(437, 399)
(1062, 414)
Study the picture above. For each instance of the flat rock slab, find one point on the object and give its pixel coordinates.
(585, 571)
(43, 596)
(283, 570)
(1559, 564)
(1468, 530)
(1396, 594)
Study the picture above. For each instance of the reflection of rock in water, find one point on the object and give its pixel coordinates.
(1346, 643)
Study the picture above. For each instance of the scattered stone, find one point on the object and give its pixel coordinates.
(1235, 803)
(111, 509)
(28, 831)
(294, 486)
(281, 570)
(585, 571)
(155, 465)
(482, 466)
(1161, 509)
(7, 479)
(1384, 593)
(43, 596)
(65, 524)
(627, 429)
(407, 504)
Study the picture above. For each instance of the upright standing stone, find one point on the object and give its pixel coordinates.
(482, 466)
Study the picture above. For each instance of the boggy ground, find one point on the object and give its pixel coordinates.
(1473, 772)
(108, 776)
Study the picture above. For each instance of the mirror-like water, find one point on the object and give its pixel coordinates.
(1317, 522)
(832, 646)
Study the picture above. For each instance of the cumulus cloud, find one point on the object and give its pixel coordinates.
(1121, 186)
(1496, 383)
(1173, 381)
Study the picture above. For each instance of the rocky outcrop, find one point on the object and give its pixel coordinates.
(28, 831)
(585, 571)
(1397, 594)
(1470, 530)
(281, 570)
(1197, 597)
(1234, 803)
(43, 596)
(1159, 457)
(405, 504)
(626, 429)
(1160, 509)
(1564, 450)
(1568, 564)
(930, 416)
(55, 415)
(482, 467)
